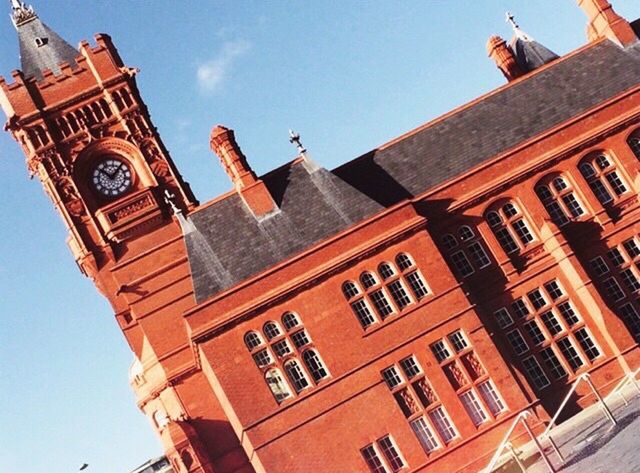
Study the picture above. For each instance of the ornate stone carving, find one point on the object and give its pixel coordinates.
(157, 163)
(424, 386)
(407, 403)
(455, 375)
(69, 195)
(473, 365)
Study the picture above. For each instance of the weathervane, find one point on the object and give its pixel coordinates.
(168, 198)
(516, 28)
(295, 138)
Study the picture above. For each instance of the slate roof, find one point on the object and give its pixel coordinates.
(229, 245)
(34, 58)
(530, 54)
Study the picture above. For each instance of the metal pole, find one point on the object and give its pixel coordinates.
(538, 446)
(604, 406)
(516, 457)
(555, 448)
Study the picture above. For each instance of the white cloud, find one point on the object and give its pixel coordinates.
(212, 73)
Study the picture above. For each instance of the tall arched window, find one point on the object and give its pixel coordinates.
(314, 365)
(634, 143)
(603, 178)
(252, 340)
(290, 320)
(509, 226)
(558, 197)
(377, 294)
(271, 330)
(277, 384)
(469, 255)
(358, 304)
(412, 275)
(296, 375)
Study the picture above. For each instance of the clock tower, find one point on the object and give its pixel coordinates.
(88, 137)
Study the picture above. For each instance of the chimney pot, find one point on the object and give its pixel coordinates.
(504, 58)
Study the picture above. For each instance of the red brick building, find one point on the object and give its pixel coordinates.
(393, 314)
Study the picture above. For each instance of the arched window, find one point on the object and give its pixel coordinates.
(296, 375)
(289, 320)
(271, 330)
(277, 384)
(634, 143)
(603, 178)
(509, 227)
(465, 233)
(314, 365)
(252, 340)
(386, 270)
(558, 197)
(160, 418)
(412, 275)
(449, 241)
(350, 290)
(368, 280)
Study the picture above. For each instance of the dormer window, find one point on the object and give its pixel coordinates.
(40, 41)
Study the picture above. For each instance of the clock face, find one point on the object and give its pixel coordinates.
(112, 177)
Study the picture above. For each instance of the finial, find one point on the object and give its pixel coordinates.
(21, 13)
(516, 28)
(295, 138)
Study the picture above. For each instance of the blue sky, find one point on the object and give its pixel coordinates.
(348, 76)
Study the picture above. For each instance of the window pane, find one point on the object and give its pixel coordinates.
(391, 377)
(363, 313)
(634, 144)
(300, 338)
(601, 192)
(461, 263)
(631, 319)
(573, 205)
(491, 398)
(381, 303)
(509, 210)
(442, 424)
(554, 290)
(289, 320)
(350, 290)
(417, 285)
(403, 261)
(632, 248)
(440, 350)
(523, 232)
(252, 340)
(534, 332)
(282, 348)
(368, 280)
(613, 290)
(465, 233)
(588, 346)
(262, 358)
(399, 294)
(271, 330)
(544, 193)
(373, 460)
(494, 219)
(570, 353)
(556, 212)
(599, 266)
(385, 270)
(410, 367)
(277, 385)
(296, 376)
(615, 256)
(535, 373)
(517, 342)
(424, 434)
(390, 452)
(458, 341)
(551, 322)
(314, 365)
(630, 279)
(520, 308)
(502, 317)
(537, 299)
(552, 362)
(478, 255)
(473, 407)
(506, 240)
(449, 241)
(616, 183)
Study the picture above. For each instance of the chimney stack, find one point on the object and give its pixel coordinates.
(504, 58)
(605, 22)
(252, 190)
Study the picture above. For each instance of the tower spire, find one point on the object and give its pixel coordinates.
(21, 13)
(516, 28)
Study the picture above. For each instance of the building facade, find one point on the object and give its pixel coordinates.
(393, 314)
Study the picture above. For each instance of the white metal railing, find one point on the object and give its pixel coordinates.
(607, 412)
(521, 418)
(628, 378)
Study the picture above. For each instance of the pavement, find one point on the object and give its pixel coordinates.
(589, 442)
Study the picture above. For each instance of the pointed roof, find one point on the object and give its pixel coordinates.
(40, 47)
(528, 52)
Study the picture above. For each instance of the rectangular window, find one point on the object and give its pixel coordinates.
(399, 294)
(554, 290)
(630, 279)
(506, 241)
(381, 303)
(410, 367)
(556, 213)
(478, 255)
(569, 315)
(458, 341)
(502, 317)
(440, 350)
(520, 308)
(537, 299)
(461, 263)
(361, 309)
(551, 322)
(615, 256)
(442, 424)
(424, 434)
(522, 231)
(535, 373)
(300, 338)
(632, 248)
(517, 342)
(613, 290)
(599, 266)
(600, 191)
(631, 318)
(391, 453)
(552, 362)
(491, 398)
(586, 342)
(282, 348)
(570, 353)
(534, 332)
(372, 459)
(417, 285)
(473, 407)
(391, 377)
(572, 204)
(616, 183)
(262, 358)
